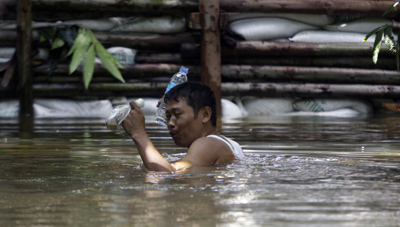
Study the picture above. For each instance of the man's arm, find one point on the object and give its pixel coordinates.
(134, 125)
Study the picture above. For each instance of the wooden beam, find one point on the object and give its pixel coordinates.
(211, 48)
(24, 40)
(330, 7)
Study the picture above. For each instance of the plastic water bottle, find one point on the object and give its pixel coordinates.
(178, 78)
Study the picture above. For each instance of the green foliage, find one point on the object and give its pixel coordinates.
(385, 32)
(83, 47)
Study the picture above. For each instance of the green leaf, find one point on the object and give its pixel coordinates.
(377, 46)
(80, 51)
(57, 43)
(376, 30)
(389, 39)
(78, 41)
(391, 8)
(108, 61)
(88, 68)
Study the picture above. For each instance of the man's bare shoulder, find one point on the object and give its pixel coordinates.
(208, 151)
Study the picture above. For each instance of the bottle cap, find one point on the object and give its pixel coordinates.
(184, 69)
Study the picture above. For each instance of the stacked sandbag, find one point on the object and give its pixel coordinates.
(162, 24)
(273, 27)
(55, 108)
(6, 53)
(353, 31)
(338, 106)
(255, 106)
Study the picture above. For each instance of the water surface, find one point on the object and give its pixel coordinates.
(299, 171)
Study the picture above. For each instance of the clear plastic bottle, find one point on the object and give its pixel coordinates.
(178, 78)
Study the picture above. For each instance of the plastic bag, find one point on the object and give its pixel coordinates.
(114, 120)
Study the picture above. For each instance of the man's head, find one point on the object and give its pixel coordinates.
(197, 96)
(190, 112)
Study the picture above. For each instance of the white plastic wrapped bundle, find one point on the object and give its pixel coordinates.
(364, 25)
(326, 105)
(165, 24)
(267, 106)
(123, 54)
(330, 37)
(230, 109)
(258, 29)
(105, 24)
(53, 108)
(312, 19)
(114, 120)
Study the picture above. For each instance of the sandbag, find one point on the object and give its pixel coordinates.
(96, 25)
(267, 106)
(258, 29)
(312, 19)
(330, 37)
(230, 109)
(123, 55)
(9, 108)
(364, 25)
(52, 108)
(324, 105)
(6, 53)
(340, 113)
(165, 24)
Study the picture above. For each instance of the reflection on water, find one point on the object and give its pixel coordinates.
(299, 171)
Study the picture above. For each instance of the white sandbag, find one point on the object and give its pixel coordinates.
(267, 106)
(9, 108)
(230, 109)
(324, 105)
(258, 29)
(312, 19)
(7, 52)
(330, 37)
(340, 113)
(164, 24)
(364, 25)
(12, 25)
(123, 55)
(96, 25)
(52, 108)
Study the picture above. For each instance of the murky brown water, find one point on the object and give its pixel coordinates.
(299, 171)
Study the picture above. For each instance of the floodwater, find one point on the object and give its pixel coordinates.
(299, 171)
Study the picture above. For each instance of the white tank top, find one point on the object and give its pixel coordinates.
(235, 147)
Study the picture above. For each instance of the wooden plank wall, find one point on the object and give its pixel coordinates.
(231, 68)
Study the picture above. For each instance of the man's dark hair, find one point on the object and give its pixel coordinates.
(197, 96)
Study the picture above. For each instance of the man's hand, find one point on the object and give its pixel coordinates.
(134, 123)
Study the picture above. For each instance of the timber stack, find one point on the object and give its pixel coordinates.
(268, 48)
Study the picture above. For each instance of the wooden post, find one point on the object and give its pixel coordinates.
(24, 40)
(211, 48)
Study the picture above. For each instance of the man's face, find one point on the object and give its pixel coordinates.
(182, 125)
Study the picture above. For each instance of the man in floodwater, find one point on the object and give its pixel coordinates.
(191, 120)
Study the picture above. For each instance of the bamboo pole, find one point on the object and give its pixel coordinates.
(311, 74)
(25, 86)
(310, 90)
(151, 89)
(143, 71)
(211, 48)
(332, 7)
(118, 6)
(24, 40)
(387, 63)
(242, 72)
